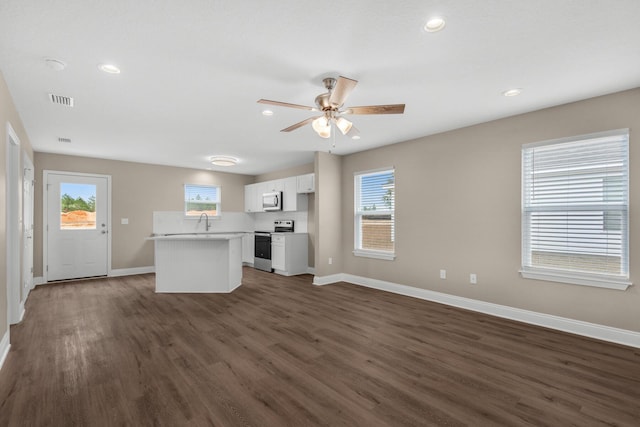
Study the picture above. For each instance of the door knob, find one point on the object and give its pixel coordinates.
(103, 232)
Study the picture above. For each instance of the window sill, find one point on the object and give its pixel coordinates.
(389, 256)
(577, 279)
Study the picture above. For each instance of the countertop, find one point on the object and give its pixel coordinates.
(199, 236)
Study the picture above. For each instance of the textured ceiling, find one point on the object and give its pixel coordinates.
(192, 71)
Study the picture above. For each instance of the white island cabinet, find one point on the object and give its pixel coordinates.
(198, 263)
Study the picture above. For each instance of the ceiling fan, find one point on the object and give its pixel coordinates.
(330, 104)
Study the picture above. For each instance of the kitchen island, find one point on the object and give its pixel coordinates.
(198, 262)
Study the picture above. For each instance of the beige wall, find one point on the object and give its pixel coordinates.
(285, 173)
(458, 208)
(328, 211)
(138, 190)
(8, 114)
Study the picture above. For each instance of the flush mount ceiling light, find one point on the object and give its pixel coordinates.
(267, 113)
(55, 64)
(109, 68)
(224, 161)
(512, 92)
(434, 24)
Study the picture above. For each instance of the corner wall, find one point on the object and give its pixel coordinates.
(458, 208)
(328, 208)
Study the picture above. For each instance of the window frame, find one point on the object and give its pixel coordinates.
(218, 202)
(610, 281)
(357, 217)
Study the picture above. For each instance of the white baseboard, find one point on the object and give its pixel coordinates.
(311, 270)
(327, 280)
(131, 271)
(592, 330)
(22, 311)
(118, 272)
(4, 348)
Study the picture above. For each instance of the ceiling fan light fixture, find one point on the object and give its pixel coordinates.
(435, 24)
(344, 125)
(224, 161)
(322, 126)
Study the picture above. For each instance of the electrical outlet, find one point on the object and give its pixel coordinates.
(330, 260)
(443, 274)
(473, 279)
(124, 221)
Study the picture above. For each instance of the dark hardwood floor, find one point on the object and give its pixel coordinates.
(281, 352)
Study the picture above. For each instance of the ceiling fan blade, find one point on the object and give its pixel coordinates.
(299, 124)
(286, 104)
(376, 109)
(343, 88)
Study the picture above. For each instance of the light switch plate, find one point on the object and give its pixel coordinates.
(124, 221)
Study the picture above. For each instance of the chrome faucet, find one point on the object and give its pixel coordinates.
(206, 224)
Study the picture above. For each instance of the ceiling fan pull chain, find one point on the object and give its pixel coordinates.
(334, 135)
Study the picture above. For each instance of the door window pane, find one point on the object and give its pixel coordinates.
(77, 206)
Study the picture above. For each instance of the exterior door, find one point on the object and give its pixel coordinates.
(77, 225)
(27, 231)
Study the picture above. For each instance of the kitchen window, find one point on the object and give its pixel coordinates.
(575, 203)
(199, 199)
(375, 214)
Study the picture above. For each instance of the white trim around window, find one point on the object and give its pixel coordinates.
(374, 214)
(575, 210)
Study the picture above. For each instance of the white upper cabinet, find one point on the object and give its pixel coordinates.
(273, 186)
(290, 195)
(306, 183)
(252, 198)
(292, 188)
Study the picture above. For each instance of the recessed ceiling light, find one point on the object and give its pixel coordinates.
(512, 92)
(55, 64)
(109, 68)
(267, 113)
(434, 24)
(355, 137)
(224, 160)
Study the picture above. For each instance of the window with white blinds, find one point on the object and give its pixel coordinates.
(375, 214)
(575, 210)
(199, 199)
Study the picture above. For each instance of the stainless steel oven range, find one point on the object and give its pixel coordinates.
(262, 254)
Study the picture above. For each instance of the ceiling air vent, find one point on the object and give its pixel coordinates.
(64, 139)
(61, 100)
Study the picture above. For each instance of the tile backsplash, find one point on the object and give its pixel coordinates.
(173, 222)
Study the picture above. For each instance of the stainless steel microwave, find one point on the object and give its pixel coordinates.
(272, 201)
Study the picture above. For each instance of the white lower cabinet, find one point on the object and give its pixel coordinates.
(278, 252)
(289, 253)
